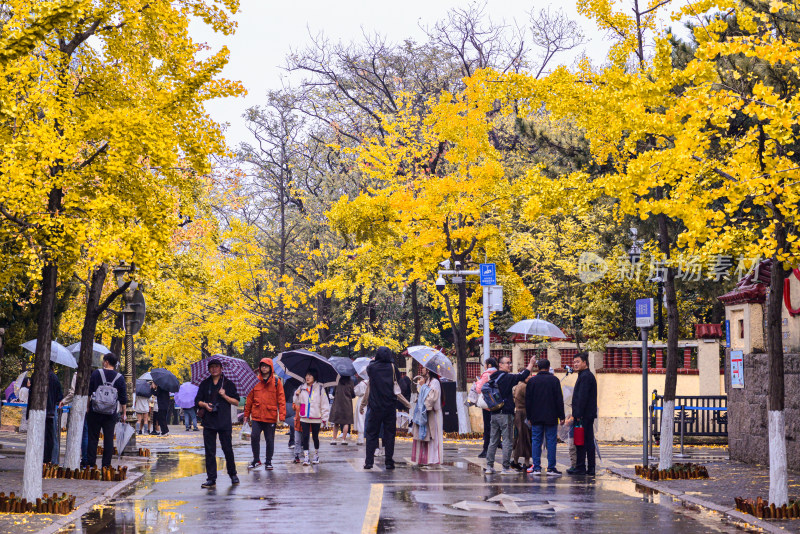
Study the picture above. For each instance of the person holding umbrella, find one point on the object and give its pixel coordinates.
(162, 397)
(382, 403)
(215, 396)
(314, 410)
(265, 405)
(342, 410)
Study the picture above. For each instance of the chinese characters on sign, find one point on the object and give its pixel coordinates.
(592, 267)
(737, 369)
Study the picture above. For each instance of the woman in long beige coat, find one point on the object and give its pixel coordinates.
(429, 450)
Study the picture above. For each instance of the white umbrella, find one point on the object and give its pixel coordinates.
(537, 327)
(360, 365)
(58, 353)
(146, 376)
(98, 351)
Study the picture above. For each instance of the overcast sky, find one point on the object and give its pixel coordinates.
(268, 30)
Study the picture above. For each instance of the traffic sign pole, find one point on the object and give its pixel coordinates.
(645, 422)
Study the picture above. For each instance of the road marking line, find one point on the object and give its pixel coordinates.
(373, 514)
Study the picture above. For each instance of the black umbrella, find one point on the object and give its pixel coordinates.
(343, 366)
(298, 362)
(165, 380)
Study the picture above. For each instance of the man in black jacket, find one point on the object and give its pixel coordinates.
(382, 407)
(103, 421)
(544, 404)
(584, 412)
(215, 396)
(503, 419)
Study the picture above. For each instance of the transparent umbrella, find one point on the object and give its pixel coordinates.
(537, 327)
(360, 365)
(434, 360)
(58, 353)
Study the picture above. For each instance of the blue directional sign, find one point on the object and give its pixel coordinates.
(488, 274)
(727, 333)
(644, 313)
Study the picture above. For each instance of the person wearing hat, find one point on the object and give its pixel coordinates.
(215, 396)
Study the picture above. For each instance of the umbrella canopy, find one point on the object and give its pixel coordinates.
(19, 380)
(165, 379)
(185, 396)
(122, 435)
(537, 327)
(343, 366)
(58, 353)
(233, 369)
(280, 372)
(147, 376)
(9, 390)
(298, 362)
(360, 365)
(98, 351)
(434, 360)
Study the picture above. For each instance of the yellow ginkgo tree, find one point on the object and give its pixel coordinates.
(103, 136)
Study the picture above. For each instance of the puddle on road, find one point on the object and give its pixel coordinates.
(134, 511)
(713, 521)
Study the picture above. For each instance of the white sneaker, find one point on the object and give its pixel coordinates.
(489, 471)
(378, 452)
(305, 458)
(334, 442)
(316, 459)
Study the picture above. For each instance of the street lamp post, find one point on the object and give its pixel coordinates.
(128, 313)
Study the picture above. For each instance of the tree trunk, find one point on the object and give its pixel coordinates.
(461, 347)
(415, 313)
(673, 326)
(80, 400)
(778, 485)
(37, 402)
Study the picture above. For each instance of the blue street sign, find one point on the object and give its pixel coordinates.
(727, 333)
(488, 274)
(644, 313)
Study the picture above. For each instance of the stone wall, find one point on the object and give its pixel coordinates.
(747, 411)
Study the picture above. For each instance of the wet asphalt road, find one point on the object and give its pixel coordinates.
(339, 496)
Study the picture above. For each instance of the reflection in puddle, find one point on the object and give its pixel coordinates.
(137, 513)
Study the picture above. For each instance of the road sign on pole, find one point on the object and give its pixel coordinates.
(644, 313)
(488, 274)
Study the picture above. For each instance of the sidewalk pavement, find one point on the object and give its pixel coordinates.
(88, 493)
(727, 480)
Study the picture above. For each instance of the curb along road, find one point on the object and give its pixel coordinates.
(112, 492)
(728, 511)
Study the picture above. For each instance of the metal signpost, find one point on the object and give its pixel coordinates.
(644, 321)
(488, 280)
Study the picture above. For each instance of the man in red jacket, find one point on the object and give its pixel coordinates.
(265, 404)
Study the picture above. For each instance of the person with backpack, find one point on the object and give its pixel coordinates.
(491, 367)
(265, 404)
(498, 395)
(214, 399)
(107, 398)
